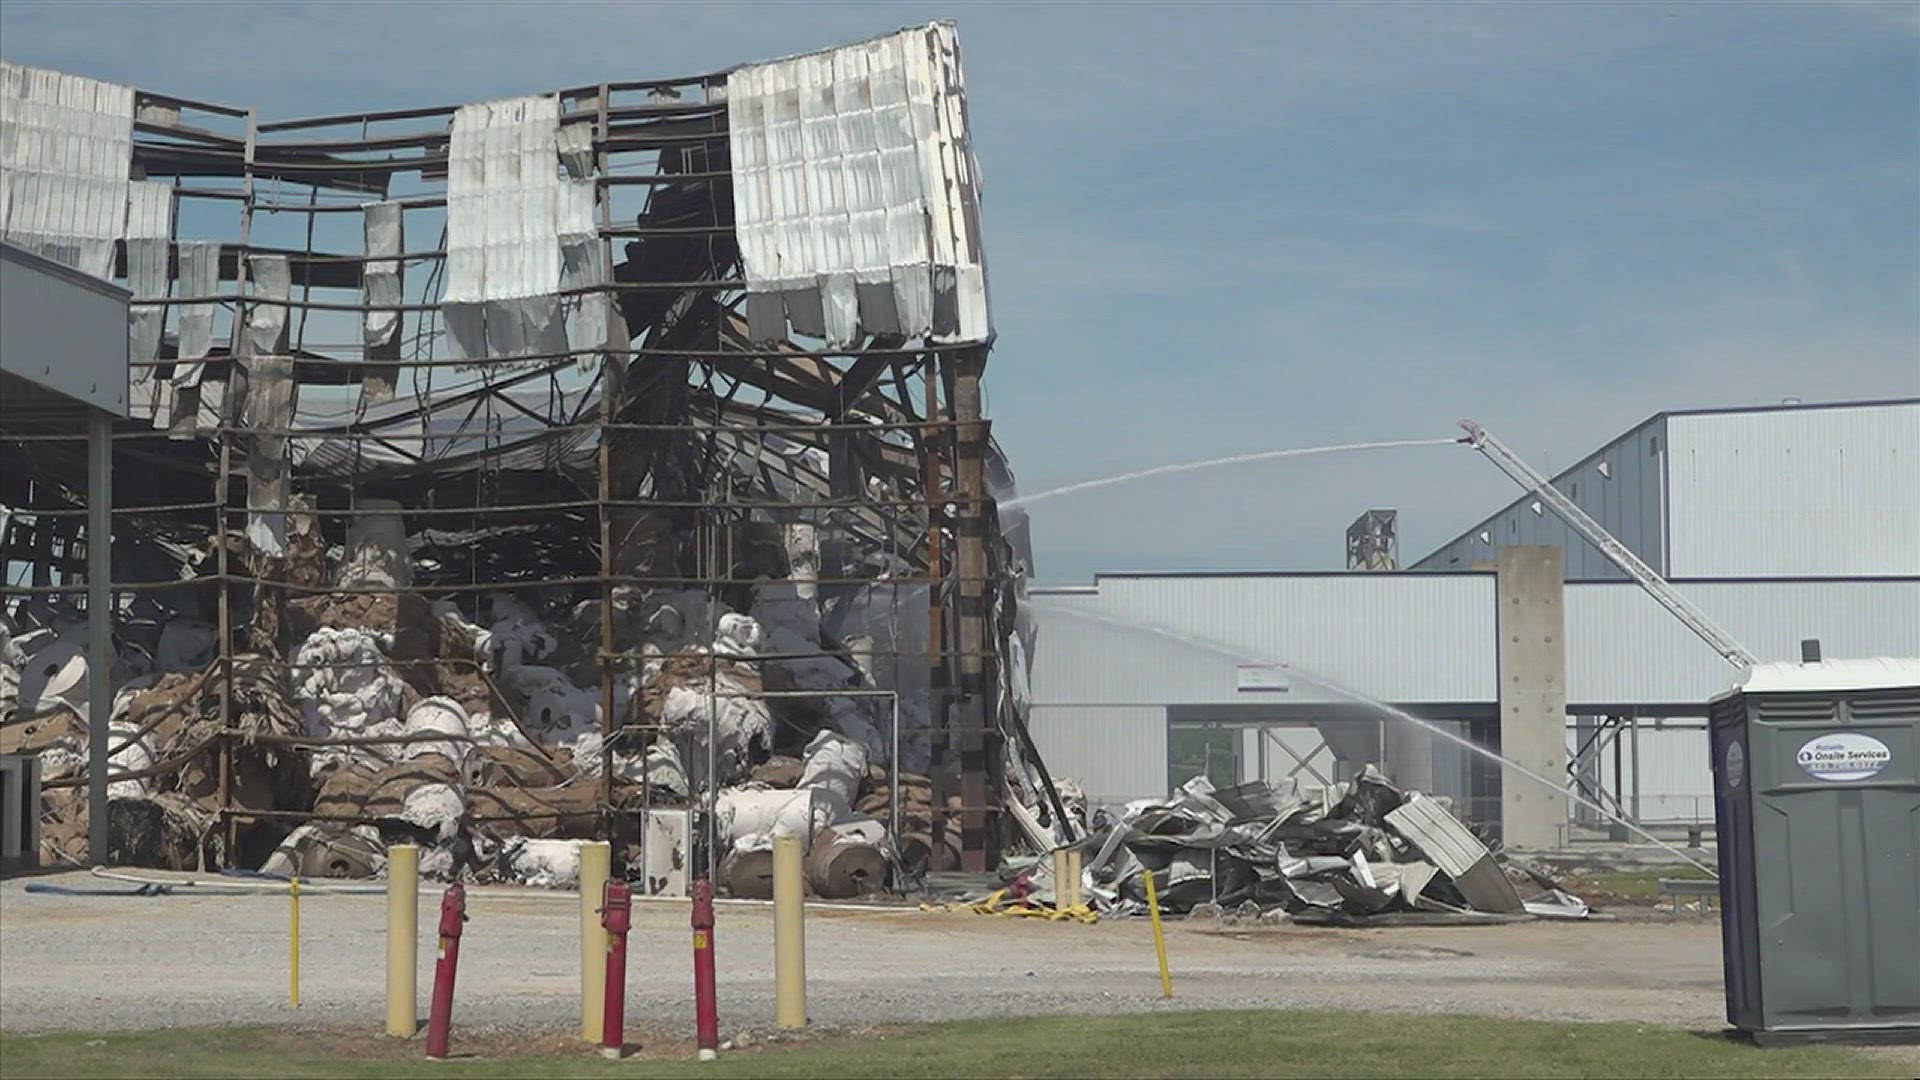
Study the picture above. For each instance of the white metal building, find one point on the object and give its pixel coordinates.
(1142, 679)
(1778, 491)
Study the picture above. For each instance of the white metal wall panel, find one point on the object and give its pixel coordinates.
(1083, 656)
(1624, 649)
(1115, 752)
(76, 342)
(1398, 637)
(66, 147)
(1796, 492)
(505, 206)
(856, 195)
(1619, 485)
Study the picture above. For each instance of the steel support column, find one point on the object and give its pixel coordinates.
(99, 625)
(980, 750)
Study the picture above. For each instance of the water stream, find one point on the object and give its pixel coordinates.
(1215, 463)
(1239, 656)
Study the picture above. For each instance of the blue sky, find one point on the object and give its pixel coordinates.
(1221, 229)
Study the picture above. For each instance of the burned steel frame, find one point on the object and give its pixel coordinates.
(639, 461)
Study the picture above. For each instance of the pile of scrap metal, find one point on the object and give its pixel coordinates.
(1366, 853)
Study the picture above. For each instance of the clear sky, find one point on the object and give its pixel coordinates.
(1222, 229)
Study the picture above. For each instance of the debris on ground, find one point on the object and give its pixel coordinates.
(1366, 853)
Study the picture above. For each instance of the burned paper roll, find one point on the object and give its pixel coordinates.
(848, 860)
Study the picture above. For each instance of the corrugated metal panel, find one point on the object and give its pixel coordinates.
(1801, 492)
(1622, 648)
(1115, 752)
(505, 205)
(1081, 658)
(66, 146)
(1619, 485)
(856, 196)
(1399, 637)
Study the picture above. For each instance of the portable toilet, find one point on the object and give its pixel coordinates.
(1816, 778)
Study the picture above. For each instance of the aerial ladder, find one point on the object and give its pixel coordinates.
(1656, 586)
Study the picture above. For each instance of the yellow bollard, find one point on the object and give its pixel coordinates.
(789, 935)
(1159, 937)
(1075, 879)
(293, 895)
(403, 939)
(1062, 889)
(596, 861)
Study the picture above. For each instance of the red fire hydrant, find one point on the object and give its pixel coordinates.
(706, 1008)
(453, 914)
(616, 916)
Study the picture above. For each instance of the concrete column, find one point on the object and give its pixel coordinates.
(1530, 592)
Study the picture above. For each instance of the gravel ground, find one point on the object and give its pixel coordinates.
(107, 963)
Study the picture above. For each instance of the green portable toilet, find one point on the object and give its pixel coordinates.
(1816, 777)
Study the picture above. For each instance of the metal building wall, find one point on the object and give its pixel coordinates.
(1108, 660)
(1398, 637)
(1829, 491)
(1625, 650)
(1117, 753)
(62, 329)
(1620, 485)
(1104, 676)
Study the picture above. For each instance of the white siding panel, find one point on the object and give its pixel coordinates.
(1624, 649)
(856, 194)
(66, 145)
(1116, 752)
(1083, 656)
(1408, 638)
(1796, 492)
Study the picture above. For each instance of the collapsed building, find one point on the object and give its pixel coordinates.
(602, 463)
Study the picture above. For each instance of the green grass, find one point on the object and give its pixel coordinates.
(1636, 885)
(1153, 1045)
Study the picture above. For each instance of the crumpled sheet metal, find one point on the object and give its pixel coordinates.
(873, 231)
(1372, 853)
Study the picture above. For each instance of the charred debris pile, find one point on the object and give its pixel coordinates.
(1361, 854)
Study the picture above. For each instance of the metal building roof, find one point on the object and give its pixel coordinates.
(1828, 676)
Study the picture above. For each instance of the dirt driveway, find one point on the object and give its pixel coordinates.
(103, 963)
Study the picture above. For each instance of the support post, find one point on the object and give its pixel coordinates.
(1633, 734)
(980, 752)
(1159, 937)
(595, 863)
(789, 935)
(293, 921)
(403, 940)
(99, 626)
(1529, 589)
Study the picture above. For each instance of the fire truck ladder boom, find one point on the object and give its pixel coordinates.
(1656, 586)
